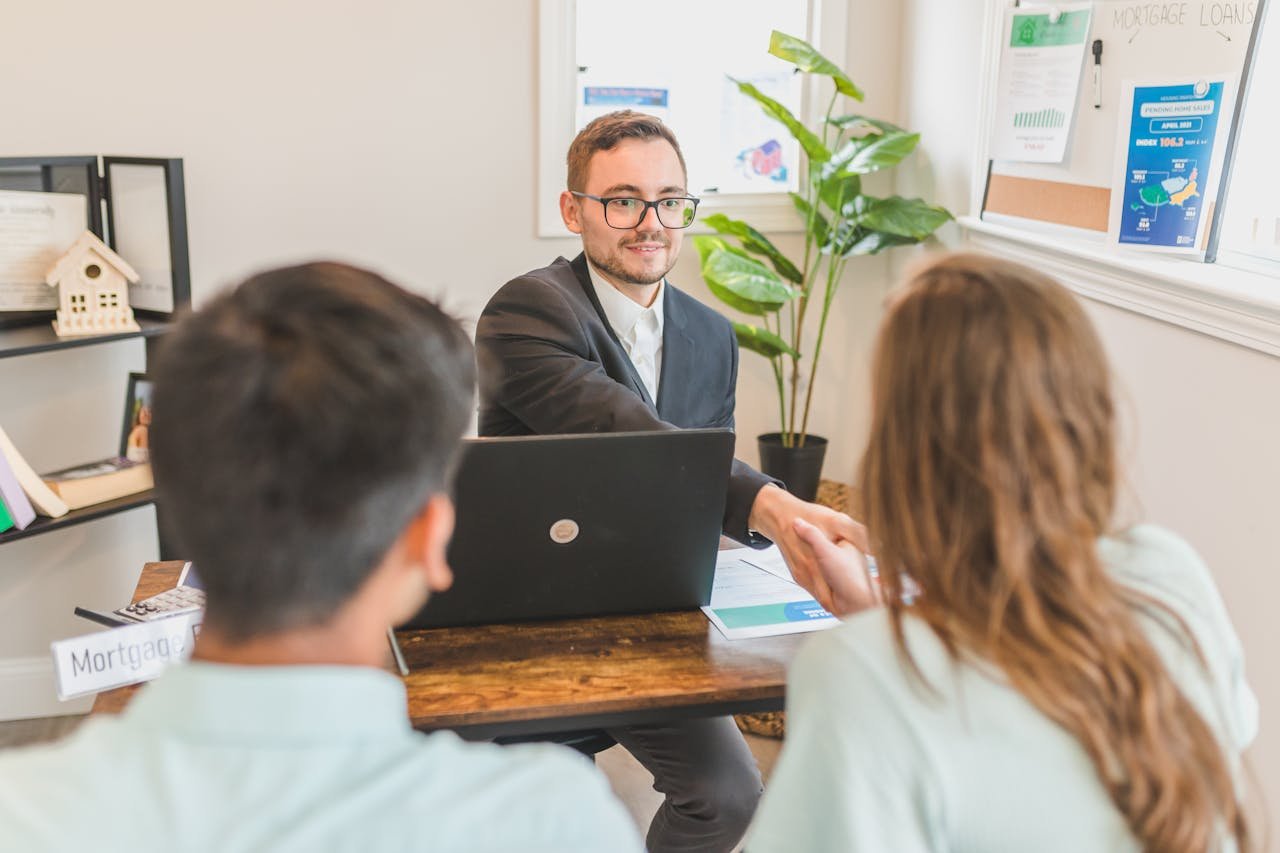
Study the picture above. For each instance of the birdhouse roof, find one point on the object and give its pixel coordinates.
(88, 242)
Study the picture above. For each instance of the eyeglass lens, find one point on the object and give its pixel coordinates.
(627, 212)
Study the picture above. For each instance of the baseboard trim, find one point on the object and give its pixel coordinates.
(27, 691)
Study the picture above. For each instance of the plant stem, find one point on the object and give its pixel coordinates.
(812, 197)
(776, 363)
(833, 277)
(782, 410)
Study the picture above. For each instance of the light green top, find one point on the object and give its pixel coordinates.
(301, 758)
(873, 763)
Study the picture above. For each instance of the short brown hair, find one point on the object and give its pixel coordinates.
(604, 134)
(320, 406)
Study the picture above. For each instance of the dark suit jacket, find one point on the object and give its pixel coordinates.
(550, 363)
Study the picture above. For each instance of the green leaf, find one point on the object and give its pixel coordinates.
(762, 341)
(905, 217)
(802, 55)
(868, 154)
(818, 226)
(874, 242)
(755, 242)
(739, 280)
(809, 141)
(839, 192)
(860, 125)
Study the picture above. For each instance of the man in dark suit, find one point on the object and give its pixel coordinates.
(604, 343)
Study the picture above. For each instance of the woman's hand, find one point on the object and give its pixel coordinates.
(840, 579)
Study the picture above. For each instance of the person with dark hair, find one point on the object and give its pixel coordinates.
(1038, 677)
(605, 343)
(307, 421)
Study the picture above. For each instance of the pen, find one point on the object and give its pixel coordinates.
(101, 618)
(1097, 74)
(396, 653)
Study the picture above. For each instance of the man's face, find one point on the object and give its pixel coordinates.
(639, 168)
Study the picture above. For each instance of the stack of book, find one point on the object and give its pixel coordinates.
(24, 494)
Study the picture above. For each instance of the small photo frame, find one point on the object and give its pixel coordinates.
(134, 438)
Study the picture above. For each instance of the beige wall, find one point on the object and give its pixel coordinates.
(397, 135)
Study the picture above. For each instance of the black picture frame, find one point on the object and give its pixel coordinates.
(176, 215)
(134, 402)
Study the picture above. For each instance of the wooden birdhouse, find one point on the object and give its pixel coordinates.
(93, 290)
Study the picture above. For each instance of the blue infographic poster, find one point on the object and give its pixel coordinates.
(1173, 131)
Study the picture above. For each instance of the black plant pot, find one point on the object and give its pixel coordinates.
(800, 468)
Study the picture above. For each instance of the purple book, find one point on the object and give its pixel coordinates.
(15, 500)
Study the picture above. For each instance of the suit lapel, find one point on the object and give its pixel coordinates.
(583, 274)
(679, 357)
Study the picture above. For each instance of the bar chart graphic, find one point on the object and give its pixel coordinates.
(1040, 118)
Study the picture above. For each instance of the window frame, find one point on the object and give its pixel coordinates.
(557, 84)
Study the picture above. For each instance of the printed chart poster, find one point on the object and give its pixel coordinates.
(1169, 159)
(756, 153)
(1040, 66)
(600, 100)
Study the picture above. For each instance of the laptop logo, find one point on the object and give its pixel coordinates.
(564, 531)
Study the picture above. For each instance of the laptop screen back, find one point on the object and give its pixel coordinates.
(562, 526)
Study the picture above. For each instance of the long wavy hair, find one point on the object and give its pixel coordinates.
(989, 477)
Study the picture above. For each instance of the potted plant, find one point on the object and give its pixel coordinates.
(840, 222)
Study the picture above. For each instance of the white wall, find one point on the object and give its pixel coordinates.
(396, 135)
(1202, 415)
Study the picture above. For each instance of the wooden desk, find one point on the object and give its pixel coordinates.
(535, 677)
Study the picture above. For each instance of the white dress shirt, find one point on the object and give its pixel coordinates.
(638, 328)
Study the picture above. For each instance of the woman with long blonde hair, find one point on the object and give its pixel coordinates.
(1056, 684)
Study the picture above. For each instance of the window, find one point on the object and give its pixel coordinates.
(77, 303)
(1251, 209)
(670, 58)
(632, 61)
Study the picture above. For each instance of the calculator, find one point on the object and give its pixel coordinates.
(186, 597)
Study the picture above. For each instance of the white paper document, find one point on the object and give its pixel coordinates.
(35, 229)
(1041, 62)
(770, 559)
(750, 601)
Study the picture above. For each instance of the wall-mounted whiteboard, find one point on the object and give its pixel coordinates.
(1142, 41)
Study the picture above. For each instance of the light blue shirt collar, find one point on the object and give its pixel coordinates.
(274, 703)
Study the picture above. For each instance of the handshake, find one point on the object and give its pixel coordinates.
(825, 549)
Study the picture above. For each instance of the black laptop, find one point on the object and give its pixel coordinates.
(584, 525)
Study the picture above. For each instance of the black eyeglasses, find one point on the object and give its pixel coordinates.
(622, 212)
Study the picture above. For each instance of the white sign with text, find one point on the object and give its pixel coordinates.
(120, 656)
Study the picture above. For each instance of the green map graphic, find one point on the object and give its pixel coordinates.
(1154, 195)
(1174, 190)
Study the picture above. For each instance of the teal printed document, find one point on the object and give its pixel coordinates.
(754, 596)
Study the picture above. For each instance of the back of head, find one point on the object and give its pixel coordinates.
(989, 477)
(301, 420)
(605, 133)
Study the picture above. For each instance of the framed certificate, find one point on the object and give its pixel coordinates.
(137, 205)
